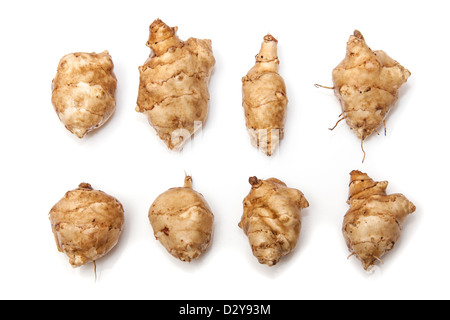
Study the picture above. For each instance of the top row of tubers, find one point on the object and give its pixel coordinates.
(173, 89)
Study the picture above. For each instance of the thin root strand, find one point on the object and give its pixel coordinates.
(321, 86)
(362, 148)
(379, 259)
(336, 124)
(95, 271)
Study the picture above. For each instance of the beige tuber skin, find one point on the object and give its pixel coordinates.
(271, 219)
(372, 225)
(366, 84)
(86, 224)
(173, 88)
(264, 99)
(182, 221)
(83, 91)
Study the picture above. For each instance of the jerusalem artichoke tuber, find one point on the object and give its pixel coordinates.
(366, 83)
(271, 219)
(264, 99)
(83, 91)
(173, 88)
(86, 224)
(372, 225)
(182, 221)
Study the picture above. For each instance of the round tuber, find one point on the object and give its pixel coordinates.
(182, 221)
(86, 224)
(83, 91)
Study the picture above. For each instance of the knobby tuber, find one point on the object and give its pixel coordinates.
(264, 99)
(83, 91)
(182, 221)
(366, 84)
(173, 88)
(372, 225)
(86, 224)
(271, 219)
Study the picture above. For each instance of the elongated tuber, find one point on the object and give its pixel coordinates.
(271, 219)
(83, 91)
(264, 99)
(173, 88)
(86, 224)
(372, 225)
(366, 83)
(182, 221)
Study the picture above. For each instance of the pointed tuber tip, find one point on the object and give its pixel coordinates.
(358, 34)
(188, 181)
(358, 175)
(157, 23)
(85, 186)
(269, 37)
(254, 181)
(411, 207)
(268, 51)
(356, 172)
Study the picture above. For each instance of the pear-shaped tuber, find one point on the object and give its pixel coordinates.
(366, 83)
(182, 221)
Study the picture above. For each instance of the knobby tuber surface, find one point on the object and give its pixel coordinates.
(271, 219)
(372, 225)
(173, 88)
(86, 224)
(264, 99)
(182, 221)
(83, 91)
(366, 83)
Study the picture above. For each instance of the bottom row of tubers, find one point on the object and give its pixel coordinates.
(87, 223)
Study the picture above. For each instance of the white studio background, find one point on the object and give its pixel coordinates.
(41, 160)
